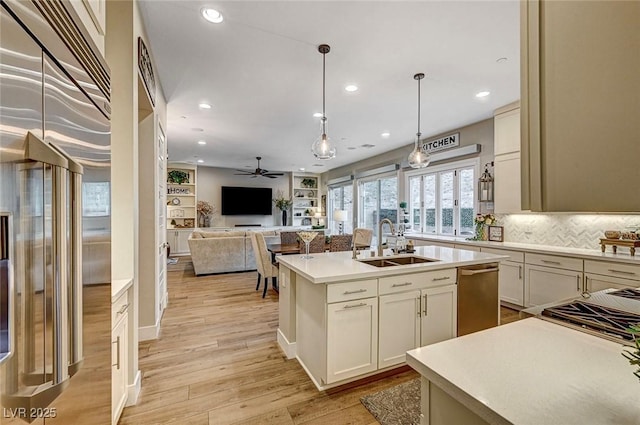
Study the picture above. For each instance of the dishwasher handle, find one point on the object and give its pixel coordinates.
(465, 272)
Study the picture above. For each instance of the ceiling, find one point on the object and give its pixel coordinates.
(262, 73)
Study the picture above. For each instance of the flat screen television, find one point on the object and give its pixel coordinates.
(246, 200)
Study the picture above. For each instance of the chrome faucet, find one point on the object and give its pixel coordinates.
(393, 232)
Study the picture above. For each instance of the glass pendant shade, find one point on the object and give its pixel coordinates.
(418, 158)
(322, 148)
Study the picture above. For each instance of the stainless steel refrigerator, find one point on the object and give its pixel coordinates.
(54, 146)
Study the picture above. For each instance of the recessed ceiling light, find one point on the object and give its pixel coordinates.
(212, 15)
(367, 145)
(351, 88)
(204, 105)
(483, 94)
(386, 134)
(197, 129)
(200, 161)
(317, 115)
(202, 142)
(301, 169)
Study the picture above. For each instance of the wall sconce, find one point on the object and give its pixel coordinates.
(340, 216)
(485, 184)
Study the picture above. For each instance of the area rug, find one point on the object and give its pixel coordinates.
(399, 405)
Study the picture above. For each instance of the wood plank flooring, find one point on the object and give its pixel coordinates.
(217, 362)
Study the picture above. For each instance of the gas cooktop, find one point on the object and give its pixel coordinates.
(607, 314)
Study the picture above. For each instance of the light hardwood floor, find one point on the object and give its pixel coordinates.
(217, 362)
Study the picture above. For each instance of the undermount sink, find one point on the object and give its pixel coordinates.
(396, 261)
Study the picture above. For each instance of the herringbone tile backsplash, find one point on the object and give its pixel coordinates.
(570, 230)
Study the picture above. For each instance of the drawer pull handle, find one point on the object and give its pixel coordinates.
(357, 291)
(117, 342)
(396, 285)
(123, 309)
(557, 263)
(622, 272)
(435, 279)
(418, 306)
(578, 283)
(355, 305)
(519, 272)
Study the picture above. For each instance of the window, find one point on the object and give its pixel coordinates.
(95, 199)
(377, 199)
(442, 200)
(341, 198)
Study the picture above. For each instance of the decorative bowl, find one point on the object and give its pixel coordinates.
(612, 234)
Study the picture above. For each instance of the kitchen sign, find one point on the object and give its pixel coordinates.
(442, 143)
(146, 71)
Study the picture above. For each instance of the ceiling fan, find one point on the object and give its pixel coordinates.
(259, 172)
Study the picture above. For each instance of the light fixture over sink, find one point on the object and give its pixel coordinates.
(418, 158)
(322, 148)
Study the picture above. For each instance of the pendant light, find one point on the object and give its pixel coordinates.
(322, 148)
(418, 158)
(485, 184)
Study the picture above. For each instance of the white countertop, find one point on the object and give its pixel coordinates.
(339, 266)
(588, 254)
(534, 372)
(118, 286)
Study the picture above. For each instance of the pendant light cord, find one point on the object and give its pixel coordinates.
(324, 118)
(418, 134)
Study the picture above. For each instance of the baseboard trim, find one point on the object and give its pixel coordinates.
(146, 333)
(289, 348)
(133, 390)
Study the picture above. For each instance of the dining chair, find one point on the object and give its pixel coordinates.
(288, 238)
(362, 237)
(340, 243)
(266, 269)
(316, 245)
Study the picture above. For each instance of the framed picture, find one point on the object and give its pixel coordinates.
(188, 222)
(496, 233)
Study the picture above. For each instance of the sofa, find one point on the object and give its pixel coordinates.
(225, 251)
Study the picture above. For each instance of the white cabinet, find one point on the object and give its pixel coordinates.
(178, 241)
(510, 276)
(119, 356)
(400, 317)
(547, 284)
(352, 339)
(439, 314)
(305, 193)
(507, 187)
(579, 97)
(601, 275)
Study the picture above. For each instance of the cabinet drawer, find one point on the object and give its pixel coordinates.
(625, 271)
(401, 283)
(119, 308)
(515, 256)
(355, 290)
(555, 261)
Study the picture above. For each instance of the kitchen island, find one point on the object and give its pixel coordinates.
(527, 372)
(344, 319)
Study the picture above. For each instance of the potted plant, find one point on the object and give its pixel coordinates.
(308, 182)
(177, 176)
(283, 204)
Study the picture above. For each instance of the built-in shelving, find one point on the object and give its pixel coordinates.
(182, 198)
(305, 193)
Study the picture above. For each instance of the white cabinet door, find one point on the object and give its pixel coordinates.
(545, 284)
(119, 348)
(439, 314)
(595, 282)
(507, 186)
(180, 242)
(511, 281)
(506, 132)
(352, 338)
(399, 327)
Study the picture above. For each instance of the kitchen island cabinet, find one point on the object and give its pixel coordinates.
(344, 319)
(584, 382)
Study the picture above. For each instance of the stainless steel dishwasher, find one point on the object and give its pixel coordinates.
(478, 303)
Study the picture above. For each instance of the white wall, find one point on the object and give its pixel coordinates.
(211, 179)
